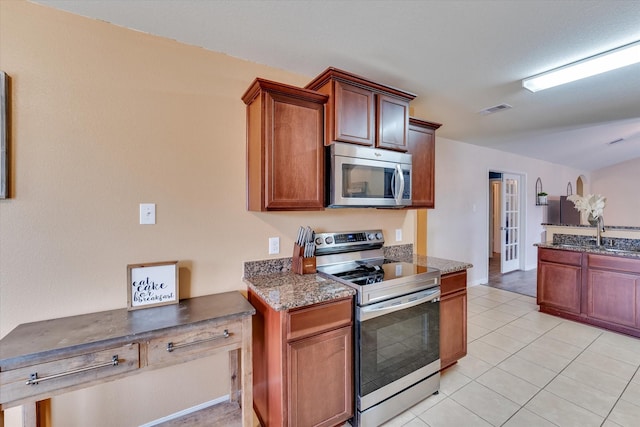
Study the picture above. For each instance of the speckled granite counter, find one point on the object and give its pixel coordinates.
(581, 243)
(283, 291)
(273, 281)
(591, 249)
(405, 253)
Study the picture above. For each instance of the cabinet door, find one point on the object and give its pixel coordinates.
(453, 328)
(613, 297)
(354, 114)
(393, 123)
(285, 151)
(321, 379)
(421, 145)
(559, 286)
(294, 167)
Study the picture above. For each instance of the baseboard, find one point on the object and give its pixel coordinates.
(186, 411)
(478, 282)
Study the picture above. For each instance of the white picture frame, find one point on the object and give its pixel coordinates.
(152, 284)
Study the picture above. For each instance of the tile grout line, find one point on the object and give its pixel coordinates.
(563, 321)
(620, 397)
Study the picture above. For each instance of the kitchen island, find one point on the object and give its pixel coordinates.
(590, 283)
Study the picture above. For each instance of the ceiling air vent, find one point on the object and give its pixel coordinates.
(494, 109)
(615, 141)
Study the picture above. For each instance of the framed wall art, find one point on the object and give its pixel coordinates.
(4, 143)
(152, 284)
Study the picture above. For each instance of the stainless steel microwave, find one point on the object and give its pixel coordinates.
(367, 177)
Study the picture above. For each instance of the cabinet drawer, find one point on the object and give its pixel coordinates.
(318, 318)
(560, 256)
(453, 282)
(31, 381)
(609, 262)
(194, 343)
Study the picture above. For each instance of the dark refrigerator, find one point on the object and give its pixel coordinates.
(561, 211)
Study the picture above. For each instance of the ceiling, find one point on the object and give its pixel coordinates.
(459, 57)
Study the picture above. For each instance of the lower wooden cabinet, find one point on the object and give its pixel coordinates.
(453, 318)
(559, 283)
(614, 297)
(613, 290)
(303, 363)
(320, 393)
(559, 286)
(602, 290)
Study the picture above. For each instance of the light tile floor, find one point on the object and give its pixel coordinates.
(526, 368)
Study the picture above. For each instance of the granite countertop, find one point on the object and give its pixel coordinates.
(284, 290)
(602, 250)
(445, 266)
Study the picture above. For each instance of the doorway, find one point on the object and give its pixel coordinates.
(505, 220)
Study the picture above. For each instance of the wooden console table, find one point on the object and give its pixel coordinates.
(42, 359)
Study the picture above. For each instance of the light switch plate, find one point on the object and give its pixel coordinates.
(398, 234)
(147, 213)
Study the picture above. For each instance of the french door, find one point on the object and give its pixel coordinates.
(510, 223)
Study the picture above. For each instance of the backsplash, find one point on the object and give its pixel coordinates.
(283, 265)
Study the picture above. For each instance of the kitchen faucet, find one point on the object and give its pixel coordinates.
(599, 229)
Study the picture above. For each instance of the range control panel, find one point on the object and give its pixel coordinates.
(352, 240)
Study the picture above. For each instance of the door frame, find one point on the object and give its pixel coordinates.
(522, 217)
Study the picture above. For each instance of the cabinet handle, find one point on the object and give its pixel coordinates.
(33, 378)
(171, 346)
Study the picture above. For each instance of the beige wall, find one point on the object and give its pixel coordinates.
(105, 118)
(620, 184)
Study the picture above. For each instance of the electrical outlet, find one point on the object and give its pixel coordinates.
(398, 234)
(147, 213)
(274, 245)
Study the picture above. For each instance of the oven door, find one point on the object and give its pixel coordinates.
(398, 345)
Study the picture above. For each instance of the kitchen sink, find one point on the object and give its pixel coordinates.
(616, 250)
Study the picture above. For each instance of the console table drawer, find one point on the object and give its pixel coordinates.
(194, 343)
(29, 381)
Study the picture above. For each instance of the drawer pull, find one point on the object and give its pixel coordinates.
(171, 346)
(33, 378)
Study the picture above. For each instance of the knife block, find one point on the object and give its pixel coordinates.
(300, 264)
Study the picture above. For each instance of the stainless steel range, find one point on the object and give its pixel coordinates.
(397, 351)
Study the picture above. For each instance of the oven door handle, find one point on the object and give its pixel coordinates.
(386, 307)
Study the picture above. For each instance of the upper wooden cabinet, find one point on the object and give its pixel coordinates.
(421, 145)
(364, 112)
(285, 151)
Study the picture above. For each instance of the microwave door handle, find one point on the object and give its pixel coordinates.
(399, 184)
(394, 193)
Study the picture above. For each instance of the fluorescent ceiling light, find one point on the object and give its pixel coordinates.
(607, 61)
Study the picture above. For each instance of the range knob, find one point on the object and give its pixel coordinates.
(379, 236)
(328, 240)
(371, 236)
(318, 240)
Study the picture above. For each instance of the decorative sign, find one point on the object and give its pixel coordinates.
(152, 284)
